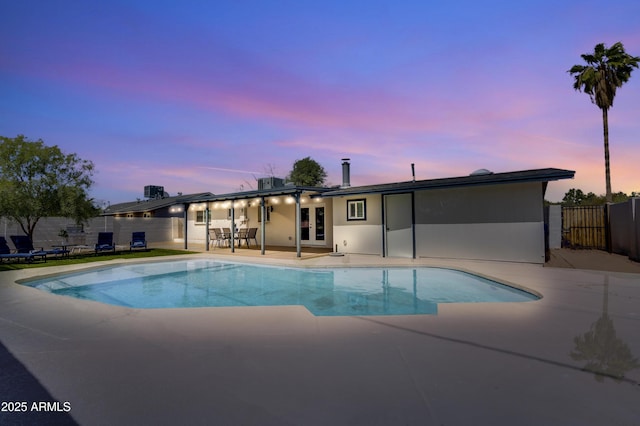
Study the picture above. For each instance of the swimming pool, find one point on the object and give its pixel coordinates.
(324, 292)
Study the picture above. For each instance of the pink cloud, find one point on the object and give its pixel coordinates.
(447, 123)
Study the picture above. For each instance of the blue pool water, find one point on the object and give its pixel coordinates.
(324, 292)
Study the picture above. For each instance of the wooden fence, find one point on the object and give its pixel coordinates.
(584, 227)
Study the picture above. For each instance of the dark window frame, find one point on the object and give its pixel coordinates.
(356, 202)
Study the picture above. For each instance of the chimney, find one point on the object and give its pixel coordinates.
(346, 173)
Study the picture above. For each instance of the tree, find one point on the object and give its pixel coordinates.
(575, 197)
(605, 71)
(307, 172)
(39, 181)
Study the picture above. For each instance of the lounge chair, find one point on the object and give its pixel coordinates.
(138, 241)
(105, 242)
(24, 245)
(7, 253)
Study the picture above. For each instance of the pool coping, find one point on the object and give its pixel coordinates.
(87, 268)
(269, 262)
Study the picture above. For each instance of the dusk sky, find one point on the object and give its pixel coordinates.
(209, 95)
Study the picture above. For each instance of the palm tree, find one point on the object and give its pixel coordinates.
(606, 70)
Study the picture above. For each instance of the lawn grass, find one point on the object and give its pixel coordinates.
(88, 258)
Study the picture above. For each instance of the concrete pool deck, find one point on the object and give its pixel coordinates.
(494, 363)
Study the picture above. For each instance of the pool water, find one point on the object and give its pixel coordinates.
(324, 292)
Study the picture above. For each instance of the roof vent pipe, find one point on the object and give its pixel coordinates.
(413, 172)
(346, 173)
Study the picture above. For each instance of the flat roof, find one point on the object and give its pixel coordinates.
(151, 204)
(537, 175)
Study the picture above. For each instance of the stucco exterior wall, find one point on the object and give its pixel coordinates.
(358, 236)
(497, 222)
(494, 222)
(517, 242)
(280, 228)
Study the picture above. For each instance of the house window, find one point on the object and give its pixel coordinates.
(200, 217)
(357, 210)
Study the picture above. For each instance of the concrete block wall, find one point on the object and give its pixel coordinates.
(47, 230)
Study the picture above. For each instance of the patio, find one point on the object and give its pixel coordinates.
(506, 363)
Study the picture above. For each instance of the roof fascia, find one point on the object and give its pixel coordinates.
(540, 175)
(273, 192)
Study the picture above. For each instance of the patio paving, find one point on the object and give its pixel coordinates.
(570, 358)
(595, 260)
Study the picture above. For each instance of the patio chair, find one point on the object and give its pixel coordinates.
(24, 245)
(227, 235)
(251, 235)
(105, 242)
(242, 235)
(226, 232)
(138, 241)
(7, 253)
(218, 237)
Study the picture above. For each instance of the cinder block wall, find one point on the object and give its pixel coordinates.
(47, 230)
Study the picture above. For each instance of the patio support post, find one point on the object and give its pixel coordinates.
(263, 213)
(298, 249)
(233, 228)
(413, 223)
(207, 237)
(186, 220)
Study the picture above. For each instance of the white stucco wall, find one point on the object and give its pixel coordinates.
(362, 239)
(359, 236)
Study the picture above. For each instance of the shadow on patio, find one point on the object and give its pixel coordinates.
(19, 386)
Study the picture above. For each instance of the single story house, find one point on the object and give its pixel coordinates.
(485, 215)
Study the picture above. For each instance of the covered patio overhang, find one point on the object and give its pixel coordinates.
(287, 194)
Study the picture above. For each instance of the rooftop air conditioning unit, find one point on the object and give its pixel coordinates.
(153, 191)
(270, 183)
